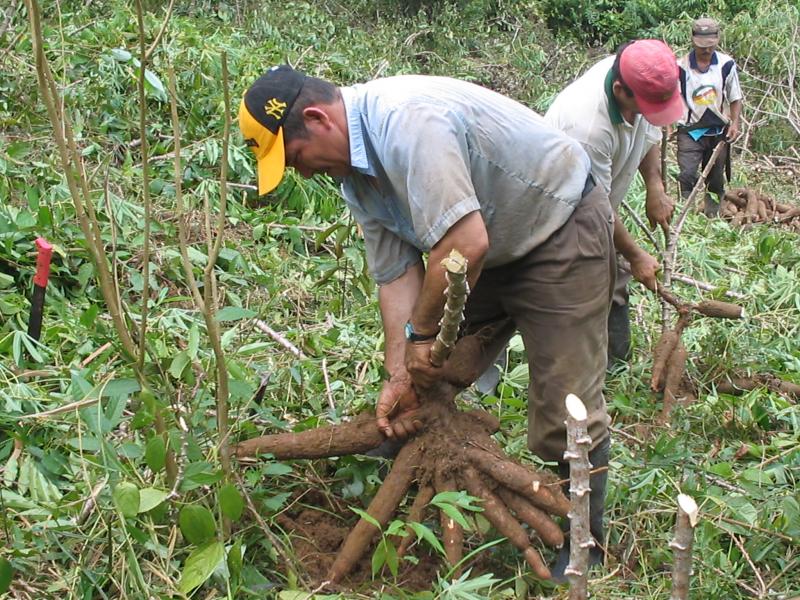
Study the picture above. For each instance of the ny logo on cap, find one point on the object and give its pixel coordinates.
(275, 108)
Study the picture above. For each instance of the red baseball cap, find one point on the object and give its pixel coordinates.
(650, 70)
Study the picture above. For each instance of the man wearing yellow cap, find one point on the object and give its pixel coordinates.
(430, 164)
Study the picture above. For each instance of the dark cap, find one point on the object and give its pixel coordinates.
(262, 113)
(705, 33)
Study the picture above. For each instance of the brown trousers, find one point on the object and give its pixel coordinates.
(558, 297)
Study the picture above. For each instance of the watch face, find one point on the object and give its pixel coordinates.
(409, 331)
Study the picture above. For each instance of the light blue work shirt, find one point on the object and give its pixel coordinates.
(426, 151)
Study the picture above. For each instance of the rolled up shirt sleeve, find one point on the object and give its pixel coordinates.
(431, 169)
(388, 256)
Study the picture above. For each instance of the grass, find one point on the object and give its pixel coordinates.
(296, 262)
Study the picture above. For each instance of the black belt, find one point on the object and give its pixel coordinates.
(588, 186)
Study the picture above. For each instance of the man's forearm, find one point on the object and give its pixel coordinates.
(650, 168)
(736, 112)
(469, 237)
(623, 240)
(396, 300)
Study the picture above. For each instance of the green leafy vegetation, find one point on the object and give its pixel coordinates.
(99, 500)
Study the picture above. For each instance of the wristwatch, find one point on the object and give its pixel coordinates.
(413, 336)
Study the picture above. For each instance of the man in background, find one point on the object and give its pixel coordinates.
(615, 110)
(713, 97)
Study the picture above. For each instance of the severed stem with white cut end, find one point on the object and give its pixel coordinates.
(455, 266)
(682, 547)
(578, 445)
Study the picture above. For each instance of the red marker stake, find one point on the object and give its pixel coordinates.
(39, 287)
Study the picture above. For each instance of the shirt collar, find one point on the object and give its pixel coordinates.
(359, 158)
(613, 107)
(693, 60)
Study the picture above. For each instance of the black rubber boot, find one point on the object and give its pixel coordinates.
(597, 501)
(487, 382)
(710, 207)
(619, 334)
(388, 448)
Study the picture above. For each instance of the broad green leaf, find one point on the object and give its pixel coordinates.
(197, 524)
(276, 502)
(230, 501)
(424, 533)
(155, 453)
(276, 469)
(200, 565)
(121, 387)
(194, 342)
(179, 364)
(6, 281)
(149, 498)
(6, 574)
(392, 559)
(723, 469)
(452, 511)
(366, 516)
(235, 559)
(126, 498)
(89, 315)
(234, 313)
(379, 557)
(120, 55)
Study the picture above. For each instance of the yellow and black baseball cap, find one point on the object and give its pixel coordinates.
(262, 113)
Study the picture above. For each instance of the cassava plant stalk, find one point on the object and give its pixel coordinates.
(145, 192)
(78, 185)
(671, 252)
(76, 182)
(578, 445)
(455, 267)
(682, 547)
(206, 302)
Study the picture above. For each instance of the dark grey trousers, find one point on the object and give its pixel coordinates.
(693, 156)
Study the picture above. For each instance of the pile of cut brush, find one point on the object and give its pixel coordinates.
(743, 206)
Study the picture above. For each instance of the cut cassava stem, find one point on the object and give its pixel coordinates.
(682, 547)
(671, 252)
(581, 541)
(455, 267)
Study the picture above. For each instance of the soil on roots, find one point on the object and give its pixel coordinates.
(317, 534)
(454, 451)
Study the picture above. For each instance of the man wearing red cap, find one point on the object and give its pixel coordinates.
(615, 110)
(430, 164)
(710, 89)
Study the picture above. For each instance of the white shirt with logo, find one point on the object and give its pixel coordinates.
(706, 88)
